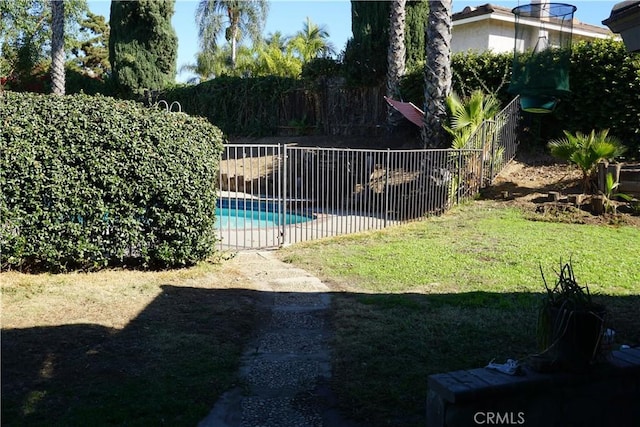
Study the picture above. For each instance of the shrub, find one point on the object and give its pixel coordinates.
(78, 82)
(89, 182)
(239, 106)
(320, 68)
(605, 89)
(585, 151)
(604, 83)
(488, 72)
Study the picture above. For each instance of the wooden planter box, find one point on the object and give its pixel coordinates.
(627, 175)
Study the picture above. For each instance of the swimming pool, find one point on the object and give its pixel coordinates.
(248, 214)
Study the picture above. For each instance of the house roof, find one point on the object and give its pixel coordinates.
(489, 11)
(625, 20)
(624, 14)
(485, 9)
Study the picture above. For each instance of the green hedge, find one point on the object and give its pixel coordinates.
(605, 85)
(239, 106)
(89, 182)
(605, 91)
(605, 94)
(471, 71)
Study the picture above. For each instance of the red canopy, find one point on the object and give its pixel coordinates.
(409, 110)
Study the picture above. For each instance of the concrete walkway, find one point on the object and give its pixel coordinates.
(286, 368)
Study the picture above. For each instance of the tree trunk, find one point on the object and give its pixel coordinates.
(57, 47)
(234, 47)
(235, 28)
(395, 57)
(437, 74)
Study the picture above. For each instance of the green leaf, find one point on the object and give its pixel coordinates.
(77, 196)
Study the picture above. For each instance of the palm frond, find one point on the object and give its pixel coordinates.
(586, 150)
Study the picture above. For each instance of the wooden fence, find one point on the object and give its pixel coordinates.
(333, 109)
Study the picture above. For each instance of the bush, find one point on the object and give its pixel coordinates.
(319, 68)
(604, 83)
(239, 106)
(78, 82)
(488, 72)
(89, 182)
(605, 89)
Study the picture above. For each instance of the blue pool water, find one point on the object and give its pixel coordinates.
(254, 214)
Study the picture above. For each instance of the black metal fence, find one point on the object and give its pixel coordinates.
(498, 140)
(273, 195)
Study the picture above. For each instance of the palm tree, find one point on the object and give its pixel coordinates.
(466, 115)
(206, 67)
(437, 73)
(311, 42)
(57, 47)
(396, 56)
(273, 57)
(278, 41)
(211, 65)
(236, 18)
(585, 151)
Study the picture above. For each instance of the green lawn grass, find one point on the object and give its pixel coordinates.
(452, 292)
(455, 292)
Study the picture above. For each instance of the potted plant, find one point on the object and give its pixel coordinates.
(570, 324)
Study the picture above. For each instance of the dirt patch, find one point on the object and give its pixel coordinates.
(529, 178)
(527, 181)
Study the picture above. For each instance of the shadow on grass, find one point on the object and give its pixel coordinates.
(171, 363)
(166, 367)
(387, 345)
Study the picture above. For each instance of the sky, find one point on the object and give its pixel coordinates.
(288, 16)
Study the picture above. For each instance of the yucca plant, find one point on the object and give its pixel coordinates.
(570, 323)
(585, 151)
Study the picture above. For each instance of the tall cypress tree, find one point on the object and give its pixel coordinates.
(365, 56)
(415, 20)
(143, 46)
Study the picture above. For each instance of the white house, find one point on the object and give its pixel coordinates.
(490, 27)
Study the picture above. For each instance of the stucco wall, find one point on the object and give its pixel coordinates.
(483, 35)
(473, 36)
(498, 36)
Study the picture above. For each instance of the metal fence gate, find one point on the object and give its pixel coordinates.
(274, 195)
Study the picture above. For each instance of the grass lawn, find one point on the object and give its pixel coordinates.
(121, 347)
(158, 348)
(455, 292)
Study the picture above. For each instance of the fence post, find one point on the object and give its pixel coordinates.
(386, 187)
(461, 178)
(282, 197)
(493, 150)
(484, 144)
